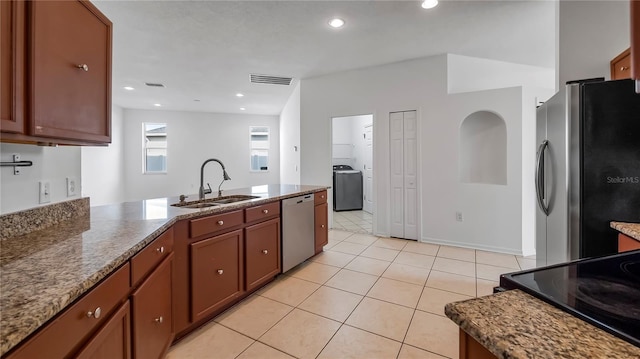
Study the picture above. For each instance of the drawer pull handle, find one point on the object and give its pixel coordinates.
(220, 271)
(265, 211)
(220, 223)
(85, 67)
(95, 313)
(160, 250)
(159, 320)
(264, 251)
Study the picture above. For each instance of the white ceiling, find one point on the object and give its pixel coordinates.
(206, 50)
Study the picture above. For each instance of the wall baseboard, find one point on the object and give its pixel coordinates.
(466, 245)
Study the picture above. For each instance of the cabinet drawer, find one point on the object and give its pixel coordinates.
(74, 326)
(148, 258)
(320, 197)
(216, 273)
(262, 252)
(212, 224)
(113, 340)
(262, 212)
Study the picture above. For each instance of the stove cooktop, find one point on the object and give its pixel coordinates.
(603, 291)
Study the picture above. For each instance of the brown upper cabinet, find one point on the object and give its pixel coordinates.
(61, 92)
(635, 38)
(621, 66)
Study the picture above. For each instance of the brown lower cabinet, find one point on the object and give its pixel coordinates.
(626, 243)
(113, 340)
(152, 316)
(216, 273)
(471, 349)
(321, 226)
(262, 253)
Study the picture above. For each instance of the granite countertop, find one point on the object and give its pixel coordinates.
(630, 229)
(42, 272)
(513, 324)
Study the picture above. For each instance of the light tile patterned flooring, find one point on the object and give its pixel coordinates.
(363, 297)
(353, 221)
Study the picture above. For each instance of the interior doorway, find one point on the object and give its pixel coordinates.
(352, 161)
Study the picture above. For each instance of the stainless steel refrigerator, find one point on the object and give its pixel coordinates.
(587, 169)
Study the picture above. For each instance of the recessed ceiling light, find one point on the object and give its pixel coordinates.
(239, 95)
(157, 104)
(336, 23)
(242, 108)
(429, 4)
(128, 88)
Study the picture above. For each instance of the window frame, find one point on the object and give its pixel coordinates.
(145, 148)
(253, 148)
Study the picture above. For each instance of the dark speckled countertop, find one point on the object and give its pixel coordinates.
(630, 229)
(42, 272)
(516, 325)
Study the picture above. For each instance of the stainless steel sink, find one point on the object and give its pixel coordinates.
(211, 202)
(196, 205)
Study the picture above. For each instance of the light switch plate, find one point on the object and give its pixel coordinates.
(45, 192)
(72, 186)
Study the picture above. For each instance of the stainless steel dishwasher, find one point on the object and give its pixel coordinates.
(297, 231)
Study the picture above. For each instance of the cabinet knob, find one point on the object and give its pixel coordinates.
(265, 211)
(220, 223)
(322, 196)
(624, 68)
(95, 313)
(264, 251)
(85, 67)
(160, 250)
(322, 225)
(220, 271)
(159, 320)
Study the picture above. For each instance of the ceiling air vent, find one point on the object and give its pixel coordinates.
(150, 84)
(271, 80)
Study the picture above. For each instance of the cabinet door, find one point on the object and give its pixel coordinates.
(216, 273)
(112, 341)
(262, 252)
(321, 226)
(152, 319)
(70, 94)
(12, 57)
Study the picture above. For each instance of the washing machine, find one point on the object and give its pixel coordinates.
(347, 188)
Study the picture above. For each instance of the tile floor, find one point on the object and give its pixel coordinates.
(363, 297)
(353, 221)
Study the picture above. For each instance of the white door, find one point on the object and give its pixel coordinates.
(404, 174)
(368, 169)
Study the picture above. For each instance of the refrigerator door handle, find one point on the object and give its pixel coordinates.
(539, 176)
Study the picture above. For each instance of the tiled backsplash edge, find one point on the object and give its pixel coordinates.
(34, 219)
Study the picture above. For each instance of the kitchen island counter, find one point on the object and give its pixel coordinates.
(43, 271)
(513, 324)
(630, 229)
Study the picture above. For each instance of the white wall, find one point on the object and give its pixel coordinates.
(591, 33)
(192, 138)
(493, 214)
(466, 74)
(103, 167)
(342, 148)
(290, 139)
(53, 164)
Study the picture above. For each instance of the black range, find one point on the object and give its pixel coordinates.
(603, 291)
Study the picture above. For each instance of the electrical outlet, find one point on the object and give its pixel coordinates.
(45, 192)
(459, 216)
(71, 186)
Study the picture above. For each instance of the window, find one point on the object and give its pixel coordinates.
(154, 148)
(259, 148)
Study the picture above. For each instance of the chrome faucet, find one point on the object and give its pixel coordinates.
(225, 177)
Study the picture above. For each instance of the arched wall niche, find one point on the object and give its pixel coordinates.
(483, 149)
